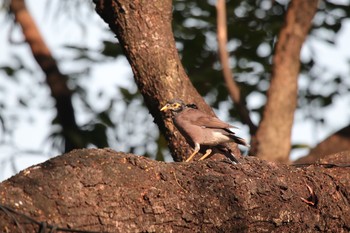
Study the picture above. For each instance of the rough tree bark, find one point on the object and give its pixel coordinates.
(102, 190)
(56, 81)
(273, 138)
(144, 31)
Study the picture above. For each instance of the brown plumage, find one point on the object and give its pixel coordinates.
(199, 128)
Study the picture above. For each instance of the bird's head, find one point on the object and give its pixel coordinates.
(174, 105)
(177, 105)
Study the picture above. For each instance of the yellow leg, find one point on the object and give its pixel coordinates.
(191, 156)
(207, 153)
(196, 149)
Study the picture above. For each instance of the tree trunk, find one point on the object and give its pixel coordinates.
(56, 81)
(273, 138)
(102, 190)
(144, 31)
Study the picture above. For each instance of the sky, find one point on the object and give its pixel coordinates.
(32, 135)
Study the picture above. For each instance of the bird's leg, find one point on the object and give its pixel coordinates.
(207, 153)
(196, 149)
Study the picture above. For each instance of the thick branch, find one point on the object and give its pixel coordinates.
(231, 84)
(56, 81)
(273, 138)
(144, 30)
(102, 190)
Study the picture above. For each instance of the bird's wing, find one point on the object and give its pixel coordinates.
(204, 120)
(213, 122)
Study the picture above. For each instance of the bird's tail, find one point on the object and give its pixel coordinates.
(240, 141)
(236, 139)
(228, 153)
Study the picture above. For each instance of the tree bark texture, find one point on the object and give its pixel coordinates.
(273, 138)
(144, 31)
(102, 190)
(56, 81)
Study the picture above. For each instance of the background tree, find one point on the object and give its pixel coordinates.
(56, 81)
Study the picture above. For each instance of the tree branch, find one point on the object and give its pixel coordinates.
(56, 81)
(335, 143)
(102, 190)
(232, 86)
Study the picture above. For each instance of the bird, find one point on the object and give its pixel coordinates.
(199, 128)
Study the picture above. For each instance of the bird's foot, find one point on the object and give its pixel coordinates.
(191, 156)
(207, 153)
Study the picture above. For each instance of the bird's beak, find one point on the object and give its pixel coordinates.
(164, 108)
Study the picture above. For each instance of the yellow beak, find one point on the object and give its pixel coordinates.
(164, 108)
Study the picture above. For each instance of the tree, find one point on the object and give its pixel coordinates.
(124, 192)
(282, 93)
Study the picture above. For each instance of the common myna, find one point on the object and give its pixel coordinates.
(199, 128)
